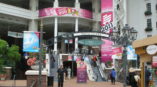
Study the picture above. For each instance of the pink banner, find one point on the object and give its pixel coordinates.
(117, 50)
(106, 15)
(106, 5)
(106, 50)
(65, 11)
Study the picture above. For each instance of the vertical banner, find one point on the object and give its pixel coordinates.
(31, 41)
(131, 55)
(106, 50)
(81, 72)
(106, 16)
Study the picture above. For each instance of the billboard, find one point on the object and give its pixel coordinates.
(31, 41)
(106, 16)
(106, 50)
(65, 11)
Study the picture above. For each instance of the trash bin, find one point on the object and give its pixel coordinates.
(50, 81)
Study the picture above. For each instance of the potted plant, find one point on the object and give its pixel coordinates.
(8, 55)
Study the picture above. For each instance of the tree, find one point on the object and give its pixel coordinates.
(8, 55)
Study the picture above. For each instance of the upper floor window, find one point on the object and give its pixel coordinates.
(148, 6)
(149, 23)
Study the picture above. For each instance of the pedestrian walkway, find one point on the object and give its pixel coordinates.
(67, 83)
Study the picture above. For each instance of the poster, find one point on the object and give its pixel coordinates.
(31, 41)
(81, 72)
(106, 50)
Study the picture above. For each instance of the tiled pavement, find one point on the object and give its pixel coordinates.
(67, 83)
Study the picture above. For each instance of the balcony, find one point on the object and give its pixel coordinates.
(148, 29)
(147, 13)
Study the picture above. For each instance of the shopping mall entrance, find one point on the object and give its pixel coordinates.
(72, 65)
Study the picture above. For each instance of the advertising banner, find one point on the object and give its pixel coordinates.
(65, 11)
(106, 50)
(31, 41)
(81, 72)
(106, 15)
(131, 53)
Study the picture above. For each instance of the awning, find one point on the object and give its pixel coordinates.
(145, 42)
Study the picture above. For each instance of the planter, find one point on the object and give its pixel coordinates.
(3, 76)
(148, 13)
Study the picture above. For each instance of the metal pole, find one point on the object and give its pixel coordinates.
(40, 55)
(125, 65)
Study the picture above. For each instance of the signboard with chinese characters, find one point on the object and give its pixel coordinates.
(106, 15)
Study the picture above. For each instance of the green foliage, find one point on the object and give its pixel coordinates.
(8, 55)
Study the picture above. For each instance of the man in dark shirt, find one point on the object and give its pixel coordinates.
(60, 72)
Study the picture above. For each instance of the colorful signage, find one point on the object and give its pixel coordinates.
(151, 49)
(65, 11)
(81, 72)
(106, 50)
(31, 41)
(131, 53)
(106, 15)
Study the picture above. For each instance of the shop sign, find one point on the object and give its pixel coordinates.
(90, 42)
(90, 34)
(151, 49)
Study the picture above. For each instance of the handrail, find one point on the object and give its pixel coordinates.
(33, 83)
(100, 69)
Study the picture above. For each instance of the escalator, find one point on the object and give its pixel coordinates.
(95, 72)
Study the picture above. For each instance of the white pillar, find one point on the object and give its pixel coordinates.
(55, 34)
(55, 4)
(96, 14)
(33, 5)
(77, 6)
(76, 30)
(33, 24)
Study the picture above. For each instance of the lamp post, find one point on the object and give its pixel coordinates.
(124, 38)
(40, 55)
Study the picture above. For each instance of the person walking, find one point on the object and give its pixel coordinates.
(113, 76)
(132, 79)
(60, 72)
(147, 75)
(69, 72)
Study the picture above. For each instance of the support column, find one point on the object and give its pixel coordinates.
(33, 24)
(55, 27)
(96, 14)
(55, 34)
(56, 4)
(77, 6)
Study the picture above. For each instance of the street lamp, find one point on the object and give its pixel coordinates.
(124, 38)
(40, 54)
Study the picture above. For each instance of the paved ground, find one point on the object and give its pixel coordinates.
(68, 83)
